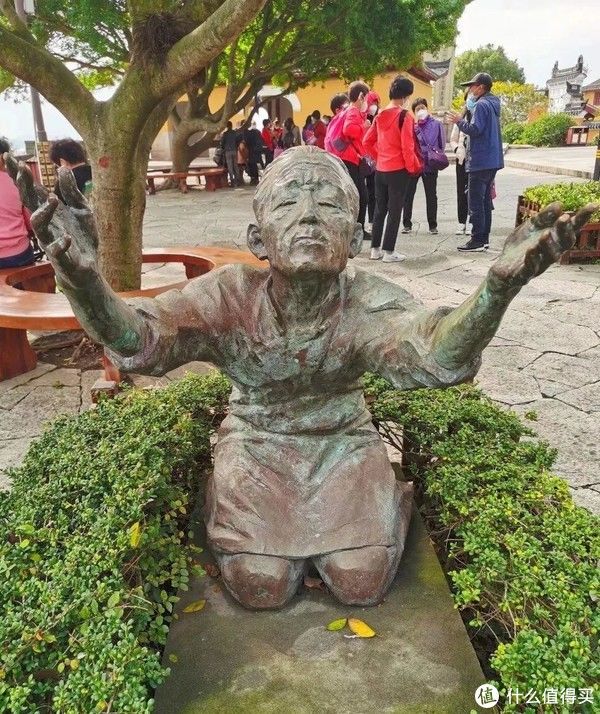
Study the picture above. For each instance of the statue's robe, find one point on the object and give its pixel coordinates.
(299, 468)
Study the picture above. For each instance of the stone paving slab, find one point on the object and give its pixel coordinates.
(233, 660)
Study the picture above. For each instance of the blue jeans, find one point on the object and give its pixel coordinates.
(480, 204)
(17, 261)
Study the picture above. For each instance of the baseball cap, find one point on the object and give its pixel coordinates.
(480, 78)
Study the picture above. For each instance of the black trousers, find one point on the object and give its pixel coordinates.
(430, 184)
(361, 186)
(390, 192)
(462, 203)
(370, 181)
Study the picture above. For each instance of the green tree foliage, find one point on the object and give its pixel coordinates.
(294, 42)
(490, 59)
(518, 100)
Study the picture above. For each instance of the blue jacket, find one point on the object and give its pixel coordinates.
(485, 137)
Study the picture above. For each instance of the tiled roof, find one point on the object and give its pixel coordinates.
(594, 85)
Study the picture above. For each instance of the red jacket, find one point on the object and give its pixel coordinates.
(268, 139)
(320, 130)
(353, 132)
(393, 148)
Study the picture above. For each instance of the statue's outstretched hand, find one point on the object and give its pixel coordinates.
(532, 247)
(68, 233)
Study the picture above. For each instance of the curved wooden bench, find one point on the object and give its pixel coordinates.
(35, 306)
(214, 178)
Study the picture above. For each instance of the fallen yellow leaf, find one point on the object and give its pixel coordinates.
(360, 628)
(337, 625)
(135, 533)
(195, 606)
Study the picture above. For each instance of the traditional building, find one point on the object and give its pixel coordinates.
(591, 94)
(564, 88)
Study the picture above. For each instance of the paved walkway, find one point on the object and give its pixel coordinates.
(573, 161)
(546, 357)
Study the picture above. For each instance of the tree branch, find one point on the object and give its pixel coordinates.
(200, 46)
(36, 66)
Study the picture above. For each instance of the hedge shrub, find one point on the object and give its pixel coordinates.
(572, 195)
(92, 543)
(512, 133)
(548, 130)
(91, 550)
(522, 557)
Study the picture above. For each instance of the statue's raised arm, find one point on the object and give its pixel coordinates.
(528, 251)
(69, 237)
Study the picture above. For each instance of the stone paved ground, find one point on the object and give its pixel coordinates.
(546, 357)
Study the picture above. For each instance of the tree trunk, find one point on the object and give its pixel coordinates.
(118, 150)
(183, 153)
(119, 201)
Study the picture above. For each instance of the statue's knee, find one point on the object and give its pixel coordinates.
(261, 582)
(361, 576)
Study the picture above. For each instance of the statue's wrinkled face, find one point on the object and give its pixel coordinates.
(307, 217)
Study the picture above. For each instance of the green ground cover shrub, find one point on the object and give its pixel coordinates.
(512, 133)
(522, 556)
(548, 130)
(92, 543)
(572, 195)
(91, 550)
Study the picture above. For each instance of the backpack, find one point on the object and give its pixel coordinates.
(334, 141)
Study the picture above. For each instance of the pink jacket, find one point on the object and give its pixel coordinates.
(13, 219)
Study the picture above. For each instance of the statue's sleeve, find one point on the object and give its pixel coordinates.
(401, 346)
(180, 326)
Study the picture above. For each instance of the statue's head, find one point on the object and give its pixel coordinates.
(306, 207)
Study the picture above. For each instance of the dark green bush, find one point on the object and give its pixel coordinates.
(91, 550)
(513, 132)
(548, 130)
(523, 558)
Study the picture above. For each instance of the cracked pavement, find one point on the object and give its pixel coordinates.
(545, 357)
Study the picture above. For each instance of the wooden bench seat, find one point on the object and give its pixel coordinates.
(35, 306)
(214, 178)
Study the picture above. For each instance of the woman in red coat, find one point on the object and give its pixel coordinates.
(353, 131)
(391, 141)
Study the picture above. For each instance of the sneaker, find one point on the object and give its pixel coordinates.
(461, 229)
(406, 230)
(433, 231)
(393, 257)
(376, 254)
(472, 247)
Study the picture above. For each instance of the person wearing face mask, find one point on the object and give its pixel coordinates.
(373, 102)
(353, 131)
(391, 141)
(484, 159)
(430, 135)
(459, 145)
